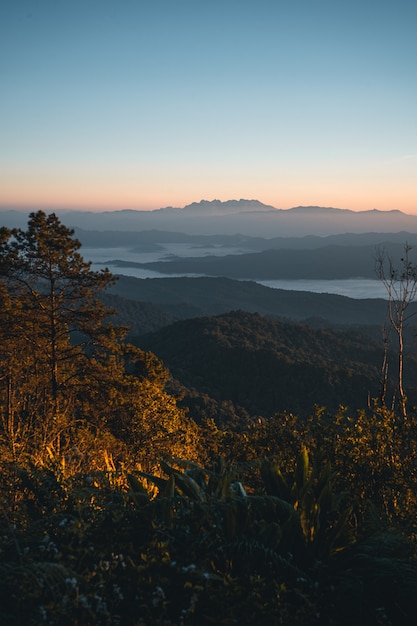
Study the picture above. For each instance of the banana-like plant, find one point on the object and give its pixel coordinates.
(326, 526)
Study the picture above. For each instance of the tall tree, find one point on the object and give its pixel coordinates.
(50, 309)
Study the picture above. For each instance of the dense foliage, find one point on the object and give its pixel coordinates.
(117, 507)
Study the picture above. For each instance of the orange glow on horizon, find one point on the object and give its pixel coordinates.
(99, 206)
(117, 193)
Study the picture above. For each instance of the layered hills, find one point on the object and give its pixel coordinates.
(182, 298)
(328, 262)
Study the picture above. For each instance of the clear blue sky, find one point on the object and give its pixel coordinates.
(134, 104)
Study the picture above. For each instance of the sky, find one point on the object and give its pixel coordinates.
(115, 104)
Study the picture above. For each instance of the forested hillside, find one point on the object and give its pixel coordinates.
(118, 506)
(262, 366)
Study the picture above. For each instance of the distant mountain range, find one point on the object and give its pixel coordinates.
(244, 217)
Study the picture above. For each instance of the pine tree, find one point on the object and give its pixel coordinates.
(53, 328)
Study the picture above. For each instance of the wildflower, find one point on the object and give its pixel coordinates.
(158, 596)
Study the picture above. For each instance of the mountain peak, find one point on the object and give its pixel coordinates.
(218, 207)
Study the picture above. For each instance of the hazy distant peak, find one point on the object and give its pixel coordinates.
(318, 209)
(321, 211)
(217, 207)
(388, 212)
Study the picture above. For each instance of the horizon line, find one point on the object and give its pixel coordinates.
(84, 209)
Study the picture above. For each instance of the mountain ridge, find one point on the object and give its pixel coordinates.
(243, 217)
